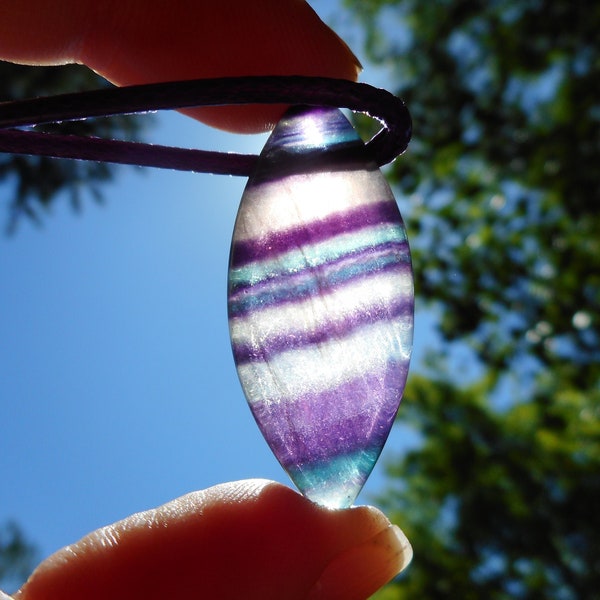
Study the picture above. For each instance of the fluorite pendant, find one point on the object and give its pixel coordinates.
(320, 300)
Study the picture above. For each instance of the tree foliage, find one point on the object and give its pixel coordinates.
(502, 170)
(499, 504)
(502, 186)
(34, 182)
(17, 556)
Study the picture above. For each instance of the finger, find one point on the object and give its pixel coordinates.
(134, 41)
(251, 539)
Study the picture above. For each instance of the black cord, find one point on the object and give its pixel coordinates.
(386, 145)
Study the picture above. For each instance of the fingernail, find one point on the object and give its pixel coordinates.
(360, 571)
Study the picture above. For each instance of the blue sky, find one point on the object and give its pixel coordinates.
(118, 391)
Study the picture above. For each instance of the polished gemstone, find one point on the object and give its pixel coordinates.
(320, 299)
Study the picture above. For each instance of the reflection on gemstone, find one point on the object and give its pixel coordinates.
(320, 300)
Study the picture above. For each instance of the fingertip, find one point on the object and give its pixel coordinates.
(361, 570)
(189, 40)
(361, 550)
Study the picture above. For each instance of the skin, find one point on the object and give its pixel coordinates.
(252, 539)
(249, 539)
(134, 41)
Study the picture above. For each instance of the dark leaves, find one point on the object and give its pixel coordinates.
(17, 556)
(33, 184)
(503, 189)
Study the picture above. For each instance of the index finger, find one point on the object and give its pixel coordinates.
(133, 41)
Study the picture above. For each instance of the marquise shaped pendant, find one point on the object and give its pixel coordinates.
(320, 301)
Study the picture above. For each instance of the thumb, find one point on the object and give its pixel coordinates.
(251, 539)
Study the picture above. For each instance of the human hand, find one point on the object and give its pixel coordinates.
(134, 41)
(252, 539)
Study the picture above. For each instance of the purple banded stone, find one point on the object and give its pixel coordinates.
(320, 299)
